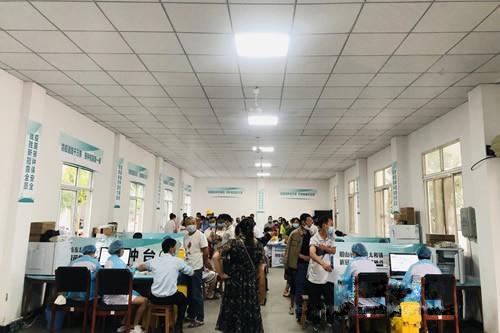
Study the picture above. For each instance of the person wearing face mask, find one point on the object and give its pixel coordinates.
(293, 246)
(229, 232)
(196, 246)
(321, 252)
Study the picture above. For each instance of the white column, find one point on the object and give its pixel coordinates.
(119, 210)
(341, 217)
(484, 125)
(399, 154)
(364, 227)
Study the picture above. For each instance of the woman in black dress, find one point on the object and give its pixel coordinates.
(241, 264)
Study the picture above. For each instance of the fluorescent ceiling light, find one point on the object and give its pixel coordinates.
(262, 45)
(263, 174)
(262, 119)
(263, 165)
(263, 149)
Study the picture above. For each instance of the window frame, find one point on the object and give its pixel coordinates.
(355, 197)
(138, 227)
(382, 188)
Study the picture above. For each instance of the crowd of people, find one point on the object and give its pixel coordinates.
(227, 258)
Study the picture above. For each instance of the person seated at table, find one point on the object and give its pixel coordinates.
(413, 277)
(116, 251)
(89, 261)
(166, 271)
(360, 263)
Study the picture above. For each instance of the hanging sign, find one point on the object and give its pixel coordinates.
(80, 150)
(299, 193)
(225, 192)
(119, 180)
(169, 181)
(137, 171)
(188, 188)
(395, 189)
(30, 159)
(260, 201)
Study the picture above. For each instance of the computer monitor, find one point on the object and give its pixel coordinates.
(400, 262)
(104, 255)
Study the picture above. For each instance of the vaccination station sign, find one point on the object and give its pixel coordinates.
(299, 193)
(225, 192)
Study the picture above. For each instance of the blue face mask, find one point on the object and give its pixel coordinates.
(191, 228)
(212, 225)
(331, 231)
(295, 225)
(220, 225)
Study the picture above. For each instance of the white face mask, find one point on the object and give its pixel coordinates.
(331, 231)
(191, 228)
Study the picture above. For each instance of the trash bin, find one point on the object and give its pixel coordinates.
(59, 322)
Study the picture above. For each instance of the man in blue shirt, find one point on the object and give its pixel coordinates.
(89, 261)
(413, 277)
(166, 271)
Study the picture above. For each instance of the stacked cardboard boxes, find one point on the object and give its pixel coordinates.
(38, 228)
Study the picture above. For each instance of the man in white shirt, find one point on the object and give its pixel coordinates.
(196, 246)
(229, 232)
(171, 225)
(321, 251)
(166, 271)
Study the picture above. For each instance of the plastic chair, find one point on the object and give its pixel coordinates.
(370, 285)
(165, 311)
(112, 282)
(442, 288)
(72, 279)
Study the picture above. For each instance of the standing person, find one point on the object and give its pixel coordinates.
(269, 223)
(321, 251)
(293, 246)
(229, 232)
(196, 246)
(116, 251)
(306, 224)
(171, 225)
(166, 271)
(244, 275)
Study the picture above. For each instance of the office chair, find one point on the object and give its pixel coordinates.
(370, 285)
(443, 289)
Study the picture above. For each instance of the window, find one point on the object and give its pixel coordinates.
(335, 210)
(443, 188)
(136, 208)
(187, 204)
(353, 206)
(75, 200)
(168, 204)
(383, 200)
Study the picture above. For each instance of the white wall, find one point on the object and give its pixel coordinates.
(274, 204)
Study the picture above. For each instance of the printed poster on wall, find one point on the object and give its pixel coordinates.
(30, 159)
(119, 180)
(299, 193)
(225, 192)
(137, 171)
(395, 192)
(81, 151)
(260, 201)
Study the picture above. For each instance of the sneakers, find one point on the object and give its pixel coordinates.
(196, 323)
(121, 329)
(137, 329)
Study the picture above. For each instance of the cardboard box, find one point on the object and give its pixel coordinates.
(38, 228)
(432, 239)
(406, 216)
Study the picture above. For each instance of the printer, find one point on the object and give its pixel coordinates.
(45, 258)
(450, 261)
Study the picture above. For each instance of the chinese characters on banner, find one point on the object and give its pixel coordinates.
(119, 180)
(260, 201)
(30, 159)
(137, 171)
(79, 149)
(395, 192)
(225, 192)
(299, 193)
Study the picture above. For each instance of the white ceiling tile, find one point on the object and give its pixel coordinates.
(454, 16)
(337, 103)
(67, 90)
(156, 101)
(402, 112)
(376, 103)
(221, 80)
(71, 61)
(131, 16)
(249, 79)
(176, 79)
(121, 101)
(45, 41)
(192, 102)
(297, 103)
(99, 42)
(393, 79)
(359, 64)
(478, 78)
(409, 103)
(86, 101)
(153, 42)
(456, 92)
(408, 64)
(199, 18)
(27, 61)
(422, 92)
(459, 63)
(381, 92)
(265, 92)
(263, 65)
(428, 43)
(492, 23)
(74, 15)
(224, 92)
(301, 92)
(126, 77)
(446, 102)
(349, 80)
(208, 44)
(9, 44)
(308, 80)
(261, 18)
(328, 18)
(118, 62)
(491, 66)
(222, 103)
(397, 17)
(107, 90)
(310, 64)
(341, 92)
(145, 91)
(372, 44)
(314, 45)
(17, 15)
(166, 63)
(479, 43)
(90, 77)
(47, 77)
(214, 64)
(438, 79)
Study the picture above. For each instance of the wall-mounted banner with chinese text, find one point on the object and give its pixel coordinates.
(225, 192)
(169, 181)
(81, 152)
(119, 180)
(30, 159)
(137, 171)
(299, 193)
